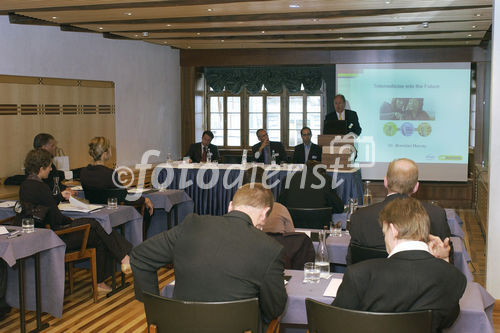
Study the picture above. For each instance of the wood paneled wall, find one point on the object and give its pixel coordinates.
(73, 111)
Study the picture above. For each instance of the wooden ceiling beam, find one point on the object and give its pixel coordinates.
(20, 19)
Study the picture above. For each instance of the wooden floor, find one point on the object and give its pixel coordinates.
(122, 313)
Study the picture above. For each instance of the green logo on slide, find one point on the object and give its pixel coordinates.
(390, 129)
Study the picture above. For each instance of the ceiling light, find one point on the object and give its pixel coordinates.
(222, 40)
(54, 17)
(330, 29)
(388, 2)
(262, 32)
(169, 25)
(469, 35)
(403, 37)
(341, 37)
(425, 24)
(315, 20)
(136, 35)
(401, 28)
(395, 17)
(478, 14)
(210, 9)
(198, 33)
(145, 34)
(128, 14)
(474, 26)
(100, 28)
(294, 5)
(189, 47)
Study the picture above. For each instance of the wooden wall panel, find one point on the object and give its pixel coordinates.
(73, 111)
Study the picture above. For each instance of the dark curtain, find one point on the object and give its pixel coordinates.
(274, 78)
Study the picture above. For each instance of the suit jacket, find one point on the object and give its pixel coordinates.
(309, 197)
(273, 145)
(407, 281)
(299, 153)
(351, 118)
(216, 258)
(366, 231)
(194, 152)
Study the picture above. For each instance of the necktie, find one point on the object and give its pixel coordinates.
(340, 116)
(204, 155)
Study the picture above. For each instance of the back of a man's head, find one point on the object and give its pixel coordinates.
(409, 217)
(402, 176)
(253, 195)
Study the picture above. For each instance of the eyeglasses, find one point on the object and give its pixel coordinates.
(307, 134)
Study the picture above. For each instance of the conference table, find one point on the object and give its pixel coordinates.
(212, 186)
(337, 250)
(476, 305)
(37, 259)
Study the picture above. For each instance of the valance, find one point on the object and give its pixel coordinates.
(274, 78)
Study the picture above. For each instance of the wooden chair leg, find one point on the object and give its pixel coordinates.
(93, 272)
(70, 277)
(153, 328)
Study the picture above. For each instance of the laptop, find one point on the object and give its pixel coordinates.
(335, 127)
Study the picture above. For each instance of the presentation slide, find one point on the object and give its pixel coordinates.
(418, 111)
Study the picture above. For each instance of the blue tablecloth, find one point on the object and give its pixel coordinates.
(212, 188)
(51, 249)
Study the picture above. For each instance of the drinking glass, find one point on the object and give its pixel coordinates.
(112, 203)
(28, 225)
(311, 273)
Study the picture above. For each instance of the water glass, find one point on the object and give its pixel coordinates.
(336, 229)
(311, 272)
(28, 225)
(112, 203)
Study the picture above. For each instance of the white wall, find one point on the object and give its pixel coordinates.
(146, 76)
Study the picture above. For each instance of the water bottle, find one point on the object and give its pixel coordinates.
(322, 256)
(209, 156)
(244, 157)
(273, 158)
(56, 190)
(367, 195)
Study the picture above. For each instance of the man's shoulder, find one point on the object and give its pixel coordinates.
(369, 211)
(299, 146)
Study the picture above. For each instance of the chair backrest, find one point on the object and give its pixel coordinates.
(313, 218)
(170, 315)
(360, 253)
(100, 196)
(324, 318)
(298, 246)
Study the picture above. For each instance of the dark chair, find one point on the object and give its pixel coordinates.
(232, 159)
(324, 318)
(311, 218)
(83, 253)
(8, 221)
(100, 196)
(298, 246)
(165, 315)
(360, 253)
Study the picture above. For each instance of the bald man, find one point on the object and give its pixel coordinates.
(401, 181)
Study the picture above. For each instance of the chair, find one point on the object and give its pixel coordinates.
(8, 221)
(232, 159)
(83, 253)
(360, 253)
(298, 246)
(324, 318)
(165, 315)
(312, 218)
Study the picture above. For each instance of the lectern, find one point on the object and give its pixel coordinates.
(338, 151)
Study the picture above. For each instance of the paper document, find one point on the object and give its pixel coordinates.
(7, 204)
(3, 230)
(77, 188)
(332, 288)
(137, 190)
(75, 205)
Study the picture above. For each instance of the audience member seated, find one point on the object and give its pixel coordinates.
(306, 150)
(412, 278)
(99, 176)
(37, 202)
(279, 220)
(263, 151)
(4, 307)
(315, 192)
(400, 181)
(47, 142)
(198, 152)
(219, 258)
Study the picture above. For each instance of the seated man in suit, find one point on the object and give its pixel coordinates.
(198, 152)
(219, 258)
(47, 142)
(400, 181)
(342, 114)
(263, 151)
(412, 278)
(306, 150)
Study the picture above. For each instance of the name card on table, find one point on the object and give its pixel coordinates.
(333, 286)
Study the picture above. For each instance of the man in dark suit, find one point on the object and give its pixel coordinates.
(400, 181)
(342, 114)
(219, 258)
(306, 150)
(412, 278)
(47, 142)
(264, 150)
(199, 151)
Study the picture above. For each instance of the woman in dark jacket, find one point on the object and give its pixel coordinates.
(99, 176)
(35, 192)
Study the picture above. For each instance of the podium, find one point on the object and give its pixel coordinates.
(338, 151)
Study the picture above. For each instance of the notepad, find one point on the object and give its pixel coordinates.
(7, 204)
(77, 188)
(137, 190)
(333, 286)
(75, 205)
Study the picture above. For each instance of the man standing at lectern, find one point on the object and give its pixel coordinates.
(342, 114)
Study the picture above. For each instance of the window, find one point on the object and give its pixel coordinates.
(234, 119)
